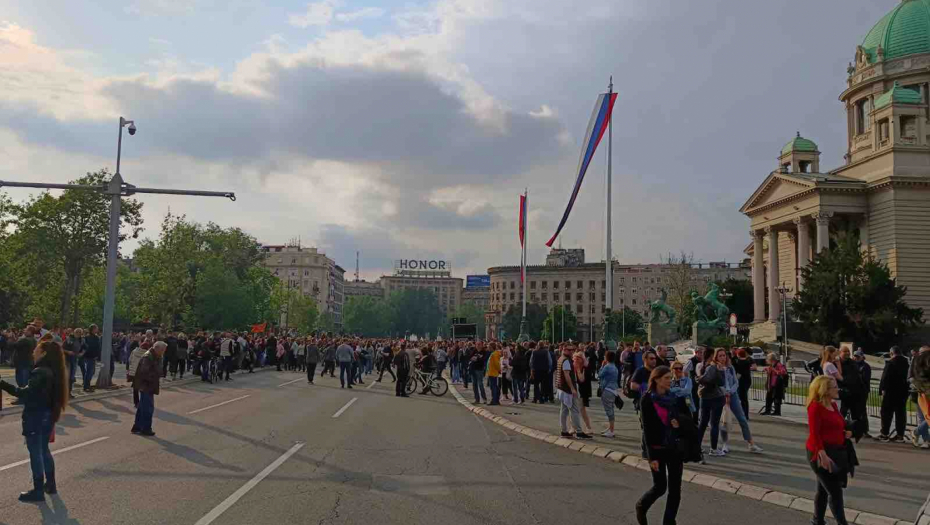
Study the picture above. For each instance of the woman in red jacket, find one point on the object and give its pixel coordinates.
(827, 438)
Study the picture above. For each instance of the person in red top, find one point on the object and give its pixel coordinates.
(827, 435)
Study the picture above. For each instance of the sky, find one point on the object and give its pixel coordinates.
(408, 129)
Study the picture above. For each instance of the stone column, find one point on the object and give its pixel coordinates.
(774, 298)
(823, 229)
(804, 249)
(758, 277)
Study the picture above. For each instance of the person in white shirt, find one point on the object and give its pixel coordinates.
(226, 352)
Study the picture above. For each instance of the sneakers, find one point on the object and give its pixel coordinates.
(897, 439)
(607, 434)
(717, 453)
(582, 435)
(755, 449)
(883, 438)
(567, 435)
(725, 449)
(915, 439)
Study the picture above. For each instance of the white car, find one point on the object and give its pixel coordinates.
(758, 355)
(684, 355)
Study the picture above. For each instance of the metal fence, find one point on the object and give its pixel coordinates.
(796, 394)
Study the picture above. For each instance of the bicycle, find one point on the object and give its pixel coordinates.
(438, 386)
(213, 371)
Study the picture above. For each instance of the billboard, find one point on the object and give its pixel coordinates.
(478, 281)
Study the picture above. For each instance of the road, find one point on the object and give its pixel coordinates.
(269, 448)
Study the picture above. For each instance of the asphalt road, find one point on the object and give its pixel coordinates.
(278, 454)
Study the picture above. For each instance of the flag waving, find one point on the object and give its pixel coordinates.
(522, 230)
(600, 119)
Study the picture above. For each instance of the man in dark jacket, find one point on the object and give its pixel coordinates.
(146, 381)
(91, 355)
(22, 356)
(540, 364)
(894, 389)
(854, 393)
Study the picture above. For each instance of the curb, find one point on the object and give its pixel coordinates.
(16, 409)
(730, 486)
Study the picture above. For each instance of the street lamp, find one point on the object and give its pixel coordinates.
(783, 290)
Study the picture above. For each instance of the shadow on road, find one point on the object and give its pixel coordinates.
(57, 513)
(94, 414)
(193, 455)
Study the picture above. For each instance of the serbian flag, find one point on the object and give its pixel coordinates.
(600, 119)
(522, 231)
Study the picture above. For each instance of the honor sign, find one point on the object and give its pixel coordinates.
(422, 264)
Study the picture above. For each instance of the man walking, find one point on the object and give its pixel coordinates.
(854, 390)
(540, 365)
(313, 357)
(476, 368)
(894, 391)
(145, 380)
(569, 400)
(402, 363)
(92, 349)
(226, 352)
(385, 364)
(344, 356)
(329, 358)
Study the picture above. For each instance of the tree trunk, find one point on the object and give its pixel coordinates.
(68, 294)
(79, 279)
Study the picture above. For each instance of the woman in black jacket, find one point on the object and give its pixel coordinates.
(44, 398)
(660, 430)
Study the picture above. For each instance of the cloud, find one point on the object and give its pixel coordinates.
(317, 14)
(359, 14)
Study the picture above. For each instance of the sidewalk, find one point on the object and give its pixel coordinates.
(892, 479)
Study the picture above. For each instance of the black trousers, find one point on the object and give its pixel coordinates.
(829, 489)
(386, 367)
(227, 365)
(668, 478)
(773, 397)
(894, 406)
(311, 369)
(541, 386)
(855, 406)
(329, 366)
(401, 383)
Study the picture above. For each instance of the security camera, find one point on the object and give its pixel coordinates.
(132, 128)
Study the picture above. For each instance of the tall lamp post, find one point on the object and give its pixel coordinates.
(783, 290)
(115, 189)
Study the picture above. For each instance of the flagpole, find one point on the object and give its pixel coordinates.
(524, 336)
(608, 263)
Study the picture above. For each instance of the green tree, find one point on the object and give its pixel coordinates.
(415, 310)
(535, 317)
(561, 324)
(73, 229)
(472, 314)
(91, 297)
(848, 297)
(626, 322)
(366, 316)
(738, 298)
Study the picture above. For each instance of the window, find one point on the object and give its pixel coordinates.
(511, 286)
(532, 297)
(863, 108)
(293, 260)
(532, 285)
(634, 281)
(603, 283)
(658, 280)
(555, 285)
(580, 285)
(568, 285)
(591, 296)
(622, 280)
(603, 309)
(306, 273)
(908, 126)
(634, 302)
(579, 297)
(511, 296)
(603, 296)
(634, 291)
(591, 284)
(592, 308)
(545, 296)
(578, 309)
(622, 291)
(280, 260)
(621, 301)
(555, 296)
(545, 284)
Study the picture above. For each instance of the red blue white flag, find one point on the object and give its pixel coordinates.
(600, 120)
(522, 231)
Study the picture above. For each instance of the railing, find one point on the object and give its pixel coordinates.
(796, 394)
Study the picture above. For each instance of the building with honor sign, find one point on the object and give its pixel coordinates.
(880, 194)
(430, 274)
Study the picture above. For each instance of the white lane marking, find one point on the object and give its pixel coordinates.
(345, 407)
(243, 490)
(56, 452)
(289, 382)
(369, 386)
(218, 404)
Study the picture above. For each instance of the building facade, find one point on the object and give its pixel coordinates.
(478, 296)
(439, 280)
(310, 272)
(364, 289)
(880, 194)
(566, 280)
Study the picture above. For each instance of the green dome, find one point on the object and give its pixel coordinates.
(903, 31)
(898, 95)
(799, 143)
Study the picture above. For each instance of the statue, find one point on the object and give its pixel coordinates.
(711, 313)
(659, 307)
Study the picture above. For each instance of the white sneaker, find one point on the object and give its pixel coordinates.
(607, 434)
(717, 453)
(725, 449)
(755, 449)
(915, 439)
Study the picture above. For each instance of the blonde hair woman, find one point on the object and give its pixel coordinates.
(827, 449)
(828, 358)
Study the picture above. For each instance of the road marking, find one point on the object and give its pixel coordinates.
(56, 452)
(345, 407)
(289, 382)
(243, 490)
(369, 386)
(218, 404)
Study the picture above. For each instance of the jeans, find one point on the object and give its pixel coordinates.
(440, 366)
(519, 389)
(72, 373)
(144, 412)
(90, 366)
(345, 373)
(829, 488)
(711, 410)
(495, 384)
(855, 406)
(466, 373)
(358, 369)
(667, 478)
(607, 400)
(736, 408)
(744, 399)
(311, 369)
(454, 372)
(923, 430)
(40, 458)
(574, 411)
(894, 407)
(477, 378)
(22, 376)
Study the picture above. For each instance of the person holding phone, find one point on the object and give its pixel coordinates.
(827, 451)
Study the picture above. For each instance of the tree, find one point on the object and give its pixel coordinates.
(74, 229)
(414, 310)
(366, 316)
(627, 322)
(738, 298)
(563, 322)
(681, 281)
(472, 314)
(91, 297)
(848, 297)
(535, 317)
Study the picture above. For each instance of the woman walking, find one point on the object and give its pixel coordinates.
(733, 404)
(744, 366)
(609, 383)
(829, 450)
(660, 411)
(713, 398)
(45, 397)
(580, 362)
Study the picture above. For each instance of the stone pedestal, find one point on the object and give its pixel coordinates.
(661, 334)
(702, 336)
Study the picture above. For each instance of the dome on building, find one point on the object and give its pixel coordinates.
(799, 143)
(903, 31)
